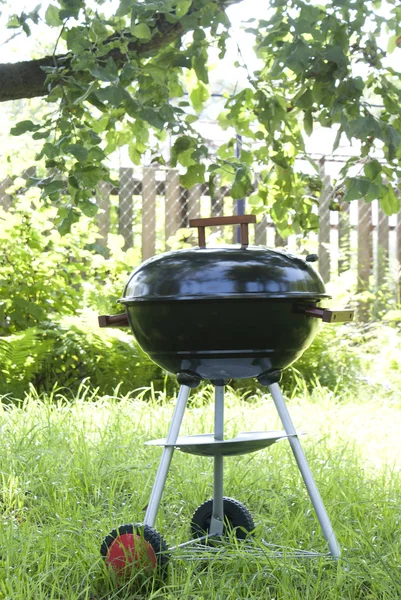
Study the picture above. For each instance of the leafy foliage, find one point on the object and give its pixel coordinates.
(122, 82)
(70, 350)
(21, 358)
(43, 274)
(49, 336)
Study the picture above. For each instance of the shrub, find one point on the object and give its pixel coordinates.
(334, 359)
(43, 274)
(22, 356)
(72, 350)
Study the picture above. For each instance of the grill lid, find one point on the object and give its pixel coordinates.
(221, 273)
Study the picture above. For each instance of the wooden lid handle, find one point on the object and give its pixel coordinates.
(242, 220)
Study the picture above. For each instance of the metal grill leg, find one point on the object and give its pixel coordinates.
(217, 521)
(305, 471)
(161, 476)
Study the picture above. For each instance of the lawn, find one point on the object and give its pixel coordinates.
(73, 469)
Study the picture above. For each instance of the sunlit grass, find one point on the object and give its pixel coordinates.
(71, 471)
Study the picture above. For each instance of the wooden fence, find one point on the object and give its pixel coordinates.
(148, 211)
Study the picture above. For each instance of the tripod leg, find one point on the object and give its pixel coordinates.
(217, 520)
(161, 476)
(306, 473)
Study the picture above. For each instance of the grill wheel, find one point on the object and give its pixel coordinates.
(135, 546)
(236, 518)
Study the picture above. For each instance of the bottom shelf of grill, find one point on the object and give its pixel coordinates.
(205, 445)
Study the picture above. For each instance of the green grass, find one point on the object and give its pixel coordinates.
(72, 471)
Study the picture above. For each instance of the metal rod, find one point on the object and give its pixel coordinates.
(239, 204)
(161, 476)
(217, 521)
(306, 473)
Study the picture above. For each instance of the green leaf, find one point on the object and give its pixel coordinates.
(199, 95)
(358, 187)
(241, 185)
(133, 153)
(13, 22)
(71, 8)
(50, 150)
(308, 122)
(112, 94)
(182, 7)
(124, 8)
(372, 169)
(335, 54)
(23, 127)
(364, 127)
(52, 17)
(86, 94)
(389, 201)
(392, 43)
(88, 207)
(98, 31)
(298, 59)
(142, 32)
(78, 151)
(337, 139)
(77, 40)
(88, 176)
(153, 118)
(392, 139)
(195, 174)
(107, 73)
(181, 144)
(305, 101)
(199, 63)
(73, 182)
(67, 222)
(54, 186)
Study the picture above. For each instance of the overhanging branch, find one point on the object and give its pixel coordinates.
(27, 79)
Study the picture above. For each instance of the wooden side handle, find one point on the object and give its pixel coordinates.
(330, 316)
(242, 220)
(113, 320)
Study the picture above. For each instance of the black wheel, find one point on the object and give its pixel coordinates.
(135, 546)
(236, 518)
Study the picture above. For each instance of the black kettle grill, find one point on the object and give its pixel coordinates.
(217, 314)
(222, 313)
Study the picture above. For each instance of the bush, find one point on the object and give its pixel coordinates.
(43, 274)
(73, 350)
(334, 359)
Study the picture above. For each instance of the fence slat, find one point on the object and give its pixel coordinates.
(261, 232)
(193, 204)
(364, 252)
(344, 238)
(103, 214)
(217, 203)
(5, 199)
(149, 189)
(398, 254)
(279, 242)
(382, 245)
(324, 225)
(173, 208)
(125, 213)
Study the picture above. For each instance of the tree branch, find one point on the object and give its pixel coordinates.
(27, 79)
